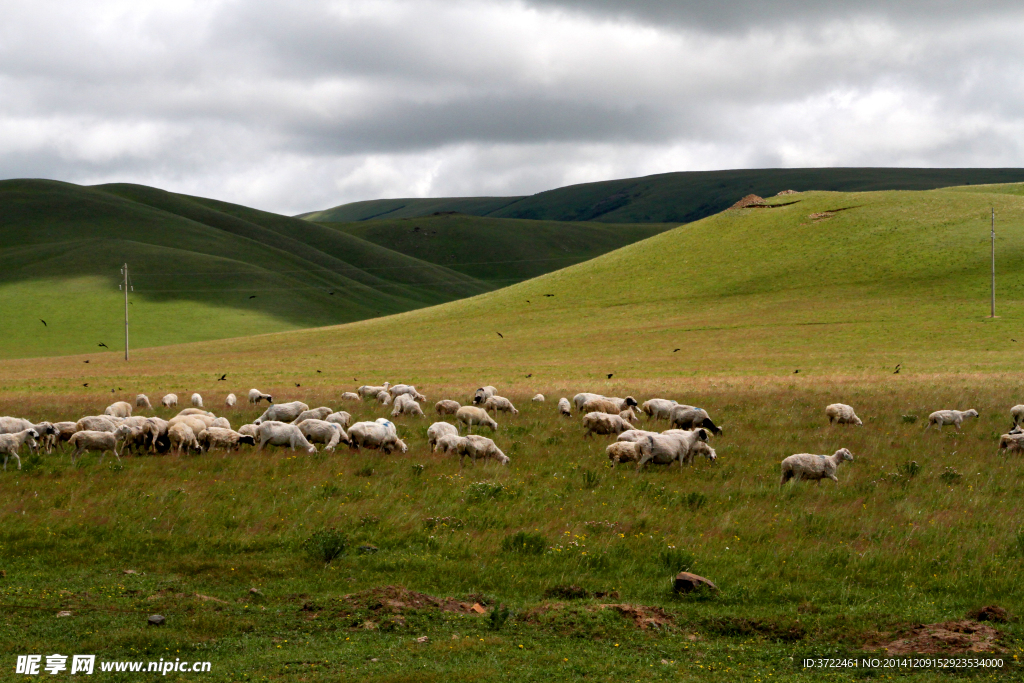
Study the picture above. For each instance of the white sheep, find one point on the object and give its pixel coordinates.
(949, 417)
(282, 434)
(659, 408)
(666, 448)
(629, 416)
(471, 415)
(375, 435)
(1014, 441)
(318, 431)
(479, 447)
(842, 414)
(539, 398)
(448, 444)
(252, 430)
(624, 451)
(702, 448)
(221, 422)
(169, 401)
(10, 444)
(136, 438)
(405, 404)
(604, 423)
(368, 391)
(813, 467)
(482, 394)
(350, 396)
(227, 439)
(183, 436)
(407, 390)
(282, 412)
(1017, 413)
(195, 411)
(599, 404)
(689, 417)
(340, 418)
(384, 398)
(97, 423)
(46, 431)
(230, 401)
(64, 431)
(635, 435)
(564, 407)
(500, 404)
(197, 401)
(447, 407)
(89, 440)
(142, 401)
(437, 430)
(156, 428)
(255, 396)
(579, 399)
(119, 409)
(320, 413)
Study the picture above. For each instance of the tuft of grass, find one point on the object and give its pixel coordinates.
(676, 560)
(524, 543)
(325, 545)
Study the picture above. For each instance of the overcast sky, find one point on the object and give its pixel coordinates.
(295, 106)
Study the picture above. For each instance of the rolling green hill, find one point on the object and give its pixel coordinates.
(499, 250)
(669, 197)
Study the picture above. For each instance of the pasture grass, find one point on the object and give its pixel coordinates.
(802, 568)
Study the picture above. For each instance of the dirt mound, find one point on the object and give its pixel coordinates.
(951, 637)
(821, 215)
(749, 200)
(989, 613)
(642, 616)
(397, 599)
(785, 192)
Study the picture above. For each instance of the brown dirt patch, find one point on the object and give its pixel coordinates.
(396, 599)
(785, 192)
(949, 637)
(989, 613)
(749, 200)
(642, 616)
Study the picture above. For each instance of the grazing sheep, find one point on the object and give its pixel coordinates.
(579, 399)
(64, 431)
(221, 422)
(255, 396)
(437, 430)
(448, 444)
(135, 439)
(659, 408)
(635, 435)
(405, 404)
(813, 467)
(340, 418)
(470, 415)
(282, 412)
(376, 436)
(407, 390)
(447, 407)
(195, 411)
(156, 428)
(1017, 413)
(10, 444)
(664, 449)
(1012, 441)
(368, 391)
(142, 401)
(479, 447)
(840, 413)
(539, 398)
(197, 401)
(949, 417)
(617, 404)
(688, 417)
(252, 430)
(604, 423)
(169, 401)
(227, 439)
(97, 423)
(624, 451)
(182, 436)
(89, 440)
(320, 413)
(327, 433)
(119, 409)
(629, 416)
(282, 434)
(384, 398)
(564, 407)
(600, 405)
(500, 404)
(702, 448)
(230, 401)
(482, 394)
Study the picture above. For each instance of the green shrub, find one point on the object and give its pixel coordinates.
(482, 490)
(951, 476)
(676, 559)
(498, 617)
(695, 500)
(524, 543)
(910, 469)
(365, 472)
(326, 544)
(590, 479)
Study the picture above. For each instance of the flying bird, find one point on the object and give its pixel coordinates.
(43, 322)
(674, 350)
(222, 378)
(897, 371)
(610, 375)
(104, 345)
(549, 295)
(501, 335)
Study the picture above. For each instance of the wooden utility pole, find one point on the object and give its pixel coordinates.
(993, 262)
(125, 285)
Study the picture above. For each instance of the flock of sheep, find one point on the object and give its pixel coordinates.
(296, 426)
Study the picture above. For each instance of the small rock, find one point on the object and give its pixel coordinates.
(423, 639)
(686, 583)
(255, 591)
(373, 659)
(368, 549)
(478, 608)
(156, 620)
(129, 571)
(64, 614)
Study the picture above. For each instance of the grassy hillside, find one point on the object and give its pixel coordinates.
(670, 197)
(200, 270)
(499, 250)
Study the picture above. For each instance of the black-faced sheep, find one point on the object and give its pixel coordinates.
(689, 417)
(949, 417)
(471, 415)
(564, 407)
(446, 407)
(479, 447)
(255, 396)
(805, 466)
(842, 414)
(482, 394)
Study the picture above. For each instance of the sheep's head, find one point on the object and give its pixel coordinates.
(971, 413)
(631, 402)
(706, 423)
(502, 458)
(247, 440)
(844, 454)
(702, 435)
(401, 446)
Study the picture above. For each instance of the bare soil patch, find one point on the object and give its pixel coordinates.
(950, 637)
(397, 599)
(749, 200)
(642, 616)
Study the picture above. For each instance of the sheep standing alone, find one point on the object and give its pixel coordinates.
(539, 398)
(169, 401)
(119, 409)
(500, 404)
(405, 404)
(98, 441)
(479, 447)
(255, 396)
(840, 413)
(604, 423)
(564, 407)
(282, 434)
(437, 430)
(10, 444)
(470, 415)
(813, 467)
(446, 407)
(949, 417)
(197, 401)
(142, 401)
(230, 401)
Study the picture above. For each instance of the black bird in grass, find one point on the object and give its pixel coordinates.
(43, 322)
(86, 384)
(529, 376)
(85, 361)
(297, 384)
(318, 372)
(897, 371)
(610, 375)
(222, 378)
(796, 372)
(527, 301)
(674, 350)
(549, 295)
(1013, 340)
(501, 335)
(330, 293)
(253, 296)
(104, 345)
